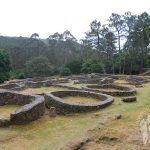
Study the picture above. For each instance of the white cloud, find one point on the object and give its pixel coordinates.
(24, 17)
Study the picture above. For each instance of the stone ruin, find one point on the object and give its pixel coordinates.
(137, 80)
(31, 108)
(129, 99)
(121, 90)
(55, 99)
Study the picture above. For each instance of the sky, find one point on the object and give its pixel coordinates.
(45, 17)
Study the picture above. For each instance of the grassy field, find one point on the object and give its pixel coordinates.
(42, 89)
(80, 99)
(6, 110)
(64, 131)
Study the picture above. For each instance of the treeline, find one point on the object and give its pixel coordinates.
(120, 46)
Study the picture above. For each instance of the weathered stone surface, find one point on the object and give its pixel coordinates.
(4, 122)
(76, 82)
(121, 90)
(12, 86)
(55, 99)
(137, 80)
(139, 86)
(117, 116)
(106, 81)
(32, 106)
(52, 112)
(129, 99)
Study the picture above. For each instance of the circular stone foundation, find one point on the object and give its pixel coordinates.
(55, 99)
(40, 90)
(111, 89)
(32, 106)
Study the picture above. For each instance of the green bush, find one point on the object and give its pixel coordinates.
(4, 66)
(55, 71)
(64, 71)
(38, 67)
(17, 74)
(92, 66)
(74, 66)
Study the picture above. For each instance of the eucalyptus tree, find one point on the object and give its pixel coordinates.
(116, 22)
(93, 37)
(129, 50)
(34, 36)
(137, 41)
(110, 49)
(62, 47)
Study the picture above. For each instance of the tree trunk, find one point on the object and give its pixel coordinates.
(119, 51)
(124, 63)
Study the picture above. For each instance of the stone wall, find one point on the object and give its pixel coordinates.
(32, 106)
(12, 86)
(55, 99)
(34, 84)
(137, 80)
(122, 90)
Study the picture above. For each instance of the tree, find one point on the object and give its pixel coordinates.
(64, 46)
(117, 23)
(92, 38)
(67, 36)
(38, 66)
(64, 71)
(108, 41)
(74, 66)
(4, 66)
(137, 42)
(34, 36)
(92, 66)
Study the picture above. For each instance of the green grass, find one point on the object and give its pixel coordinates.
(55, 133)
(42, 89)
(80, 99)
(6, 110)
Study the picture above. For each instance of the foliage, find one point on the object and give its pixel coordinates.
(64, 71)
(74, 66)
(4, 66)
(17, 74)
(120, 46)
(92, 66)
(38, 66)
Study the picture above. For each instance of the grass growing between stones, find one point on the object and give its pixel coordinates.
(6, 110)
(107, 89)
(55, 133)
(71, 83)
(80, 99)
(121, 82)
(124, 133)
(42, 89)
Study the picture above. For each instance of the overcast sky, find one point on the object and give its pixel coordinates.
(45, 17)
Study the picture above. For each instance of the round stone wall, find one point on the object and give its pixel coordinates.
(55, 99)
(32, 106)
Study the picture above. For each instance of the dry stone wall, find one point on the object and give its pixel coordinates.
(55, 99)
(32, 106)
(121, 90)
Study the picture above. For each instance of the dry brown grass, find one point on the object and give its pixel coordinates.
(6, 110)
(80, 99)
(55, 133)
(42, 89)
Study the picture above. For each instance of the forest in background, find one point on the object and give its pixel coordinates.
(120, 47)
